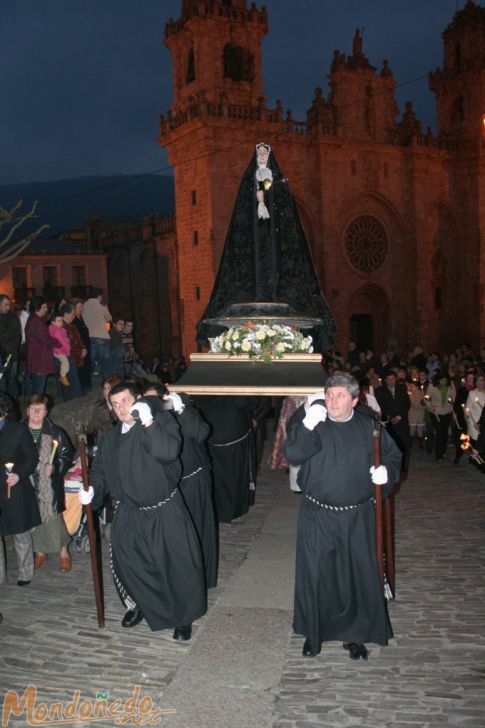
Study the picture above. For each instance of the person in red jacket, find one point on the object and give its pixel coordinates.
(38, 347)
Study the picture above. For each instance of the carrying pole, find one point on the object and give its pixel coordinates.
(378, 498)
(98, 590)
(389, 532)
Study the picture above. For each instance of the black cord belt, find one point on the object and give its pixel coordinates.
(190, 475)
(328, 507)
(159, 504)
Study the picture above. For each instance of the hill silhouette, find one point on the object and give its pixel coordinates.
(66, 203)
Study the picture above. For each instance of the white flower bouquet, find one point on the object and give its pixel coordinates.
(261, 341)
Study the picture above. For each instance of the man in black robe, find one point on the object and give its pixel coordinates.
(233, 466)
(157, 562)
(338, 594)
(393, 399)
(196, 480)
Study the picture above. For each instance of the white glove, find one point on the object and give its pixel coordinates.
(141, 411)
(86, 496)
(315, 414)
(379, 475)
(176, 399)
(313, 397)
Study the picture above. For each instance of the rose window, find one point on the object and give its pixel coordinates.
(366, 244)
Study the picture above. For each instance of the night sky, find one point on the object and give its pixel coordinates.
(84, 81)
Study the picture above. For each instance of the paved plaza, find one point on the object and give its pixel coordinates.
(243, 667)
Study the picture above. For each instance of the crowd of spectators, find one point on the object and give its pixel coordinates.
(68, 342)
(56, 349)
(434, 398)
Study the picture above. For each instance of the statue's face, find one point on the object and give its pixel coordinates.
(262, 156)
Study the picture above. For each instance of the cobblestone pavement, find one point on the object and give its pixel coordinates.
(431, 674)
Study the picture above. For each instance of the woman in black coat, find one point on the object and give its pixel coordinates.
(19, 511)
(55, 459)
(83, 370)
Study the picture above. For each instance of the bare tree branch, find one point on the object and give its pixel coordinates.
(12, 248)
(8, 215)
(18, 247)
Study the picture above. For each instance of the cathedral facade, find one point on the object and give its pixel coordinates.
(394, 215)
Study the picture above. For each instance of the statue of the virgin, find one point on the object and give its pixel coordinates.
(266, 271)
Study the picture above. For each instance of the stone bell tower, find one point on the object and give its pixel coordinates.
(217, 90)
(460, 92)
(216, 49)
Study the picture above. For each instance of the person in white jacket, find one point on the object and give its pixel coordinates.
(473, 408)
(96, 315)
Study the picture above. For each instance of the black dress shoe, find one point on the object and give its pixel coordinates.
(23, 582)
(307, 649)
(183, 633)
(356, 651)
(132, 618)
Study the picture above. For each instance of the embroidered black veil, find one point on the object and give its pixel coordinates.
(266, 270)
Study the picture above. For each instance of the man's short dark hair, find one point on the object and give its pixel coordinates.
(129, 385)
(36, 303)
(438, 375)
(160, 389)
(95, 292)
(65, 308)
(4, 296)
(344, 380)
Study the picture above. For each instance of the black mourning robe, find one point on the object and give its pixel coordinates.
(267, 261)
(391, 406)
(196, 485)
(196, 480)
(230, 452)
(156, 553)
(20, 512)
(338, 595)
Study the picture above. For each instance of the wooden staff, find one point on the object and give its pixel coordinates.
(389, 529)
(378, 497)
(98, 590)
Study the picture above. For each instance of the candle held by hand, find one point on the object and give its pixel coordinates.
(8, 471)
(53, 451)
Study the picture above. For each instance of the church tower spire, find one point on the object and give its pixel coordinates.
(216, 49)
(217, 99)
(460, 94)
(460, 84)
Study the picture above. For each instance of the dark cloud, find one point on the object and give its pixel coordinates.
(84, 81)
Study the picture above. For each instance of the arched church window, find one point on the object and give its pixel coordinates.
(190, 76)
(238, 63)
(366, 244)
